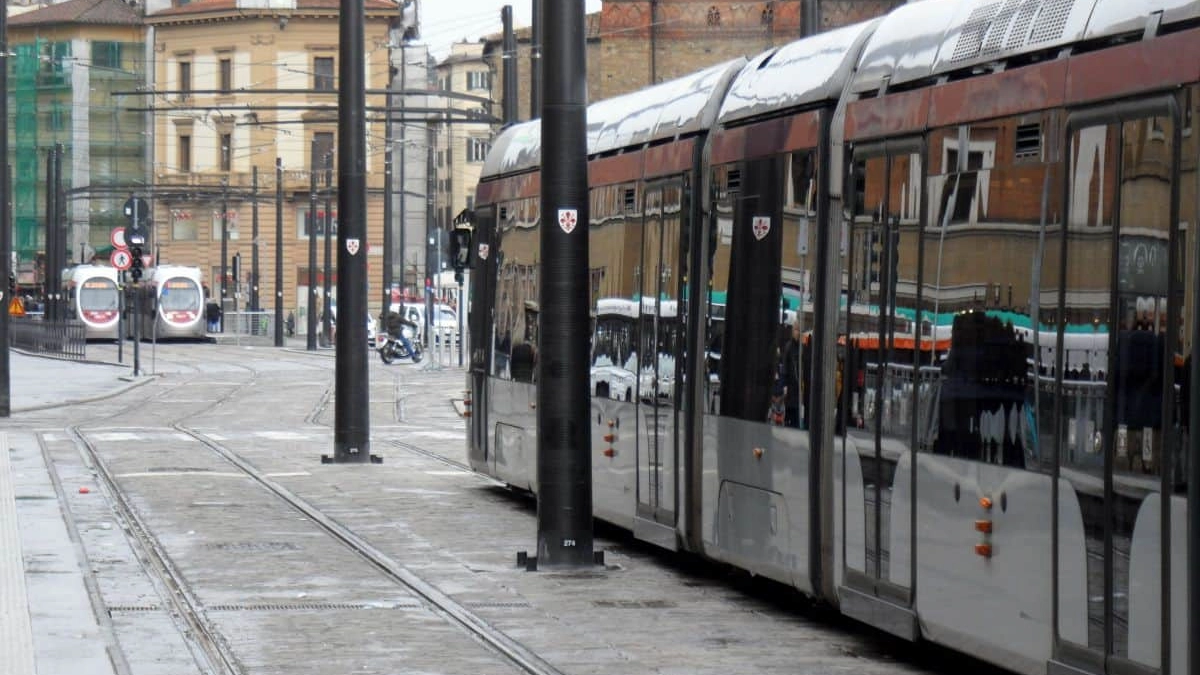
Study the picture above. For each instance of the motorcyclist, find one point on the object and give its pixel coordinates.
(394, 323)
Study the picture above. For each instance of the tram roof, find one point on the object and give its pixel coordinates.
(797, 74)
(1116, 17)
(934, 37)
(668, 110)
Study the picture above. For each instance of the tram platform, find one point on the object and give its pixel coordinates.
(641, 613)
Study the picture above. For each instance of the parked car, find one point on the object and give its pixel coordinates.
(371, 325)
(445, 319)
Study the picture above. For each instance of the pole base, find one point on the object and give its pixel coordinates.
(329, 459)
(529, 562)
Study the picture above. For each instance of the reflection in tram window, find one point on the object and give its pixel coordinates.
(988, 291)
(517, 244)
(753, 311)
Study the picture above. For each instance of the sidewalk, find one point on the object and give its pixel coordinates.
(38, 382)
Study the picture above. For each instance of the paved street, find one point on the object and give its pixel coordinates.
(191, 451)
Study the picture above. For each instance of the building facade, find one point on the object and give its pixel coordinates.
(72, 66)
(240, 86)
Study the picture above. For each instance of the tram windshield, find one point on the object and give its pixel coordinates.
(179, 294)
(98, 295)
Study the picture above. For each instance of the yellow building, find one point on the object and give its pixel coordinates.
(238, 86)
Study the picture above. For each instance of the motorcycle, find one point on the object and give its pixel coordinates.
(390, 348)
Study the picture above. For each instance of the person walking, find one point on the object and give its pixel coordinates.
(212, 312)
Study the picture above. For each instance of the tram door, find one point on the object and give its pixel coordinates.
(660, 340)
(1130, 274)
(875, 378)
(481, 327)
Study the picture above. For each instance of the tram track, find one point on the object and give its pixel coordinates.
(210, 648)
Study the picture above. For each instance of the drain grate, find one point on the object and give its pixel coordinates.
(129, 609)
(498, 605)
(255, 546)
(634, 604)
(309, 606)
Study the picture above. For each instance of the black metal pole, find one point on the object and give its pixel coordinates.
(352, 410)
(327, 273)
(278, 251)
(51, 232)
(403, 167)
(254, 240)
(224, 248)
(386, 291)
(6, 243)
(60, 238)
(508, 98)
(535, 61)
(1193, 504)
(563, 402)
(311, 321)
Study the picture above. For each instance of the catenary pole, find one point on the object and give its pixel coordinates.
(565, 537)
(327, 270)
(254, 240)
(278, 252)
(6, 243)
(352, 411)
(311, 321)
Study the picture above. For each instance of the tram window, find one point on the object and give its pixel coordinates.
(516, 291)
(615, 248)
(749, 361)
(978, 365)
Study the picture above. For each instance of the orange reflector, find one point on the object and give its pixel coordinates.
(612, 423)
(609, 452)
(984, 526)
(466, 401)
(758, 453)
(466, 413)
(609, 438)
(984, 550)
(986, 503)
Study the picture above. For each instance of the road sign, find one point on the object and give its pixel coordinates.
(121, 259)
(117, 237)
(16, 307)
(136, 206)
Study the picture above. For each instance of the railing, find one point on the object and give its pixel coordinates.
(249, 327)
(66, 338)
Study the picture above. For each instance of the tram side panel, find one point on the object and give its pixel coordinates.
(756, 448)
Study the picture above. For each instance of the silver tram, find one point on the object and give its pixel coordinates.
(955, 244)
(171, 304)
(94, 298)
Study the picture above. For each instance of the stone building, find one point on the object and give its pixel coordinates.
(69, 65)
(238, 86)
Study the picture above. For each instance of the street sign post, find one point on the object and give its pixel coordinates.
(137, 211)
(121, 259)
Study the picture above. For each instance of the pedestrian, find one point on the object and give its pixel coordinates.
(212, 312)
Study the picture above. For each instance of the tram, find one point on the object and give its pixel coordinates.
(94, 298)
(172, 304)
(980, 197)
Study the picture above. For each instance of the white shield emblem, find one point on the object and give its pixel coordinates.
(567, 218)
(352, 246)
(483, 251)
(761, 225)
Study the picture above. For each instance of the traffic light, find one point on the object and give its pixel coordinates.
(135, 267)
(460, 246)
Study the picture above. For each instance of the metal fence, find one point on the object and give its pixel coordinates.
(249, 327)
(66, 338)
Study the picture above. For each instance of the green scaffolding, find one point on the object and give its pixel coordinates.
(44, 110)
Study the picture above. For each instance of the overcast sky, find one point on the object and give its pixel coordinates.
(446, 21)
